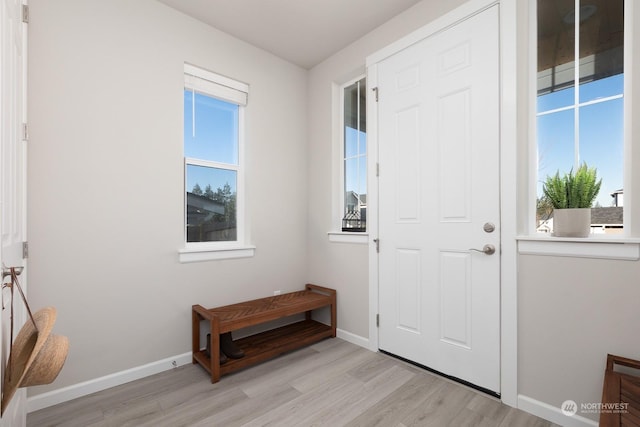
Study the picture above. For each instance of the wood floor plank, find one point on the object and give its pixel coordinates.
(488, 407)
(189, 413)
(517, 418)
(399, 404)
(308, 404)
(192, 392)
(468, 418)
(338, 369)
(372, 392)
(372, 368)
(243, 377)
(132, 416)
(70, 414)
(314, 362)
(440, 408)
(331, 383)
(245, 411)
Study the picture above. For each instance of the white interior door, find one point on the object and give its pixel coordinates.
(438, 127)
(12, 182)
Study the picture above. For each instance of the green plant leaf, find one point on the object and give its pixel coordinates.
(572, 190)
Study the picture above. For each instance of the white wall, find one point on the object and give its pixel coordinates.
(572, 312)
(105, 179)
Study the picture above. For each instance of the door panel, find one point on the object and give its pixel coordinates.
(454, 147)
(455, 289)
(438, 127)
(409, 289)
(408, 148)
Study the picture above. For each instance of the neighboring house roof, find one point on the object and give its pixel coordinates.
(201, 209)
(607, 216)
(202, 203)
(599, 216)
(355, 197)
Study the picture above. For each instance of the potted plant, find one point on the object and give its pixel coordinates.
(572, 196)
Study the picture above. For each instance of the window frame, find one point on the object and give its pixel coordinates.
(594, 246)
(235, 92)
(337, 235)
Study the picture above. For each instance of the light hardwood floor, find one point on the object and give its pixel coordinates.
(332, 383)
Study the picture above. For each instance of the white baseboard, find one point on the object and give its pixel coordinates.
(552, 413)
(44, 400)
(353, 338)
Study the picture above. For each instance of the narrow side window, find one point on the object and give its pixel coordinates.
(354, 159)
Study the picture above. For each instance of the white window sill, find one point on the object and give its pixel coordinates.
(208, 254)
(600, 247)
(346, 237)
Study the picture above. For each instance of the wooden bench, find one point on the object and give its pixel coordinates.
(620, 394)
(271, 343)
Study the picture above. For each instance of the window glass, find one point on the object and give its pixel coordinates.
(211, 204)
(211, 128)
(556, 148)
(603, 88)
(556, 54)
(604, 145)
(581, 123)
(355, 157)
(556, 100)
(601, 48)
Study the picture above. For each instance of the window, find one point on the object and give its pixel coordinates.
(354, 156)
(580, 107)
(213, 161)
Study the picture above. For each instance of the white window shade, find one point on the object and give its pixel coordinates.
(221, 87)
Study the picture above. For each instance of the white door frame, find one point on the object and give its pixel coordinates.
(14, 76)
(508, 179)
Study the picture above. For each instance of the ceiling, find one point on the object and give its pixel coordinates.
(304, 32)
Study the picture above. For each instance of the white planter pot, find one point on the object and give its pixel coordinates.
(572, 222)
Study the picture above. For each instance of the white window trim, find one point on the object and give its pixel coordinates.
(624, 246)
(195, 254)
(236, 92)
(619, 248)
(336, 235)
(348, 237)
(209, 82)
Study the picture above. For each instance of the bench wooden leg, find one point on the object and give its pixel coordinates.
(215, 349)
(334, 314)
(195, 335)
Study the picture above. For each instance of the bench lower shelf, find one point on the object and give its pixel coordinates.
(271, 343)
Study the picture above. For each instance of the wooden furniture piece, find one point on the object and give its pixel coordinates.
(265, 345)
(620, 394)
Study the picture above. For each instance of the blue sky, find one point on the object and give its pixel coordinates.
(212, 137)
(601, 134)
(356, 161)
